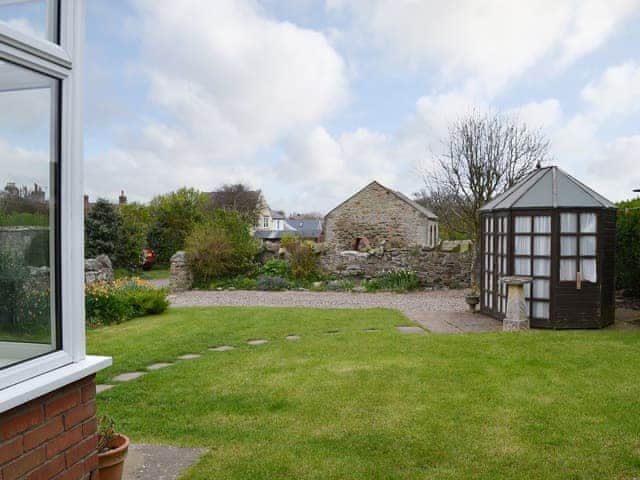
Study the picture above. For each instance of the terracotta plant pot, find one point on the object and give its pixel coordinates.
(111, 462)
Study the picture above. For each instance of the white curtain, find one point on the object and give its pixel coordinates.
(542, 246)
(540, 310)
(523, 224)
(523, 266)
(568, 246)
(588, 245)
(542, 224)
(523, 245)
(588, 222)
(567, 270)
(588, 269)
(568, 222)
(541, 288)
(542, 267)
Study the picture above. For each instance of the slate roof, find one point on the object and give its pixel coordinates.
(548, 187)
(423, 210)
(305, 228)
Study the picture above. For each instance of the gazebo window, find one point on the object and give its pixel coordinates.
(578, 247)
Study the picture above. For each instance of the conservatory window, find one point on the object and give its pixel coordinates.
(29, 249)
(578, 247)
(35, 18)
(533, 258)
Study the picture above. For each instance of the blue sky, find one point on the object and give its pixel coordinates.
(310, 100)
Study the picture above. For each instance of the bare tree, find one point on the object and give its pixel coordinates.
(485, 154)
(239, 198)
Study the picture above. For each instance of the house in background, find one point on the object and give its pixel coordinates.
(376, 216)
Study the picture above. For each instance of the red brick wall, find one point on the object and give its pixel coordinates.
(52, 437)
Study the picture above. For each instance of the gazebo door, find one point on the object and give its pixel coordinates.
(495, 264)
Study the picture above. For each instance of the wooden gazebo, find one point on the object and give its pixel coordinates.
(555, 229)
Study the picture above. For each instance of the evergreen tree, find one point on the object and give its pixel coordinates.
(102, 230)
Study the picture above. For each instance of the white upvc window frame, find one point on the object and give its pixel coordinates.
(64, 62)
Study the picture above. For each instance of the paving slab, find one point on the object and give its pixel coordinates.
(369, 330)
(293, 337)
(411, 330)
(158, 366)
(332, 332)
(103, 388)
(158, 462)
(189, 356)
(222, 348)
(258, 341)
(127, 377)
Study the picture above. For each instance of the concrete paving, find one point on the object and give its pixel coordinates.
(221, 348)
(158, 366)
(293, 337)
(127, 377)
(103, 388)
(409, 330)
(158, 462)
(258, 341)
(189, 356)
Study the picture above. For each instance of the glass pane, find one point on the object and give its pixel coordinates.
(540, 310)
(27, 212)
(588, 269)
(588, 245)
(523, 245)
(523, 266)
(37, 18)
(523, 224)
(568, 223)
(568, 270)
(542, 267)
(542, 246)
(542, 224)
(541, 288)
(568, 246)
(588, 222)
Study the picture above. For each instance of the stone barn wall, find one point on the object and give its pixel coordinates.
(17, 240)
(434, 267)
(380, 216)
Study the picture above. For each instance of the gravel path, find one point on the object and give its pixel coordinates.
(441, 311)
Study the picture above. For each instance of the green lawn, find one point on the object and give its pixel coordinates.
(153, 274)
(381, 405)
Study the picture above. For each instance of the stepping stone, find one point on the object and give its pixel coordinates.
(293, 337)
(257, 341)
(189, 356)
(158, 366)
(127, 377)
(221, 348)
(332, 332)
(103, 388)
(411, 330)
(371, 330)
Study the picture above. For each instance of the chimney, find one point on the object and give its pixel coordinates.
(122, 199)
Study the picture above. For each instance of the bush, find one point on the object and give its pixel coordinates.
(398, 280)
(123, 300)
(628, 248)
(221, 248)
(240, 283)
(302, 258)
(172, 219)
(135, 225)
(344, 285)
(276, 268)
(102, 230)
(265, 282)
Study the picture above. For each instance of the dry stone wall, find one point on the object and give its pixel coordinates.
(434, 267)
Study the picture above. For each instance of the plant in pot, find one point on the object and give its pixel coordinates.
(473, 298)
(112, 449)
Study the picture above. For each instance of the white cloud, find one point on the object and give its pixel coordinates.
(616, 92)
(614, 166)
(231, 83)
(493, 41)
(23, 166)
(544, 115)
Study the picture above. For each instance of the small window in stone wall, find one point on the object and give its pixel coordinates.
(361, 243)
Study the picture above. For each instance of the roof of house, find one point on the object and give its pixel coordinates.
(421, 209)
(305, 228)
(548, 187)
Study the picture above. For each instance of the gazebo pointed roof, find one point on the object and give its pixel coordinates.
(548, 187)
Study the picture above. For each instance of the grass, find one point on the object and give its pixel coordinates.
(381, 405)
(153, 274)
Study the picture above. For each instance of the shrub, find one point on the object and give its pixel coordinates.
(343, 285)
(102, 229)
(135, 225)
(302, 258)
(221, 248)
(123, 300)
(265, 282)
(240, 282)
(628, 248)
(397, 280)
(276, 268)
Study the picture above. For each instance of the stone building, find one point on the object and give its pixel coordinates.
(379, 217)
